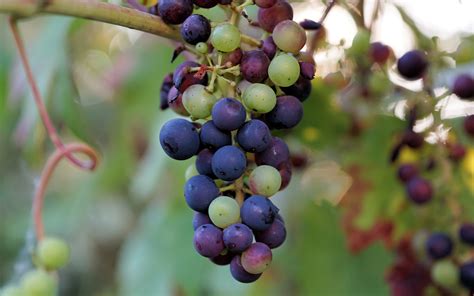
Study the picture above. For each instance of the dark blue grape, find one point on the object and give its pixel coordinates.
(203, 163)
(208, 240)
(466, 233)
(239, 273)
(237, 237)
(407, 171)
(276, 153)
(228, 114)
(254, 66)
(287, 113)
(196, 28)
(258, 213)
(439, 246)
(310, 25)
(166, 85)
(274, 236)
(180, 139)
(254, 136)
(413, 139)
(223, 259)
(269, 47)
(464, 86)
(419, 190)
(412, 65)
(175, 11)
(200, 219)
(214, 138)
(184, 78)
(466, 275)
(301, 89)
(199, 192)
(206, 3)
(229, 163)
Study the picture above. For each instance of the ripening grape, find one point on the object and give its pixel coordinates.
(257, 258)
(229, 163)
(287, 113)
(439, 246)
(225, 37)
(208, 240)
(276, 153)
(228, 114)
(360, 44)
(419, 190)
(289, 36)
(412, 65)
(254, 66)
(259, 98)
(237, 237)
(53, 253)
(254, 136)
(214, 138)
(466, 275)
(200, 219)
(464, 87)
(265, 180)
(224, 211)
(258, 213)
(234, 57)
(274, 236)
(466, 233)
(198, 101)
(379, 53)
(199, 192)
(268, 18)
(445, 273)
(465, 52)
(38, 283)
(239, 273)
(174, 12)
(196, 28)
(284, 70)
(179, 139)
(175, 102)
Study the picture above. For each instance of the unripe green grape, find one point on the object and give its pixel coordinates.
(224, 211)
(202, 47)
(445, 273)
(265, 180)
(12, 291)
(360, 44)
(378, 83)
(38, 283)
(198, 101)
(53, 253)
(465, 52)
(191, 171)
(225, 37)
(259, 97)
(284, 70)
(289, 36)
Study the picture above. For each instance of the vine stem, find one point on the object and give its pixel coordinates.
(51, 164)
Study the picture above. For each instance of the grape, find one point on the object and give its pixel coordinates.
(265, 180)
(274, 236)
(300, 89)
(196, 28)
(439, 246)
(174, 12)
(469, 125)
(360, 44)
(406, 172)
(11, 291)
(225, 37)
(379, 53)
(265, 3)
(269, 47)
(38, 283)
(285, 172)
(214, 138)
(275, 154)
(464, 87)
(239, 273)
(289, 36)
(199, 192)
(229, 163)
(234, 57)
(466, 233)
(310, 25)
(419, 190)
(412, 65)
(190, 172)
(180, 139)
(206, 3)
(287, 113)
(259, 98)
(308, 70)
(184, 78)
(200, 219)
(202, 47)
(456, 151)
(268, 18)
(466, 275)
(224, 211)
(284, 70)
(223, 259)
(175, 102)
(228, 114)
(445, 273)
(258, 213)
(203, 163)
(208, 240)
(465, 52)
(237, 237)
(254, 66)
(166, 85)
(254, 136)
(413, 140)
(224, 2)
(198, 101)
(256, 258)
(53, 253)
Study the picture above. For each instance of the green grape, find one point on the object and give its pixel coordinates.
(191, 171)
(360, 44)
(53, 253)
(225, 37)
(198, 101)
(12, 291)
(289, 36)
(38, 283)
(265, 180)
(465, 52)
(284, 70)
(202, 47)
(224, 211)
(259, 97)
(445, 273)
(379, 83)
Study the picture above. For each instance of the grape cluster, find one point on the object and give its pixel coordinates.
(235, 94)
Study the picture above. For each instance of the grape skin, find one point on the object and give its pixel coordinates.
(225, 37)
(284, 70)
(224, 211)
(258, 213)
(274, 236)
(179, 139)
(237, 237)
(254, 136)
(265, 180)
(466, 233)
(268, 18)
(203, 163)
(229, 163)
(184, 78)
(254, 66)
(175, 12)
(419, 190)
(200, 219)
(199, 192)
(256, 258)
(214, 138)
(276, 153)
(289, 36)
(208, 240)
(287, 113)
(196, 28)
(52, 253)
(198, 101)
(259, 98)
(300, 89)
(239, 273)
(439, 246)
(412, 65)
(228, 114)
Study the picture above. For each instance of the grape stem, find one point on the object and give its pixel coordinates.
(239, 193)
(227, 188)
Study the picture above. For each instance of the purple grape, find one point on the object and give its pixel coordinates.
(412, 65)
(269, 47)
(206, 3)
(419, 190)
(174, 12)
(203, 163)
(406, 172)
(274, 236)
(200, 219)
(239, 273)
(214, 138)
(256, 258)
(223, 259)
(469, 125)
(439, 246)
(466, 233)
(254, 66)
(229, 163)
(466, 275)
(199, 192)
(234, 57)
(175, 102)
(228, 114)
(456, 151)
(463, 86)
(237, 237)
(308, 70)
(285, 171)
(276, 154)
(379, 53)
(179, 139)
(413, 140)
(196, 28)
(268, 18)
(287, 113)
(258, 213)
(166, 85)
(254, 136)
(265, 3)
(183, 78)
(301, 89)
(208, 241)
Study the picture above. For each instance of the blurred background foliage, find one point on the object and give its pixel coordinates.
(127, 223)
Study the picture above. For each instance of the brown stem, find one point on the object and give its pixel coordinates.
(314, 37)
